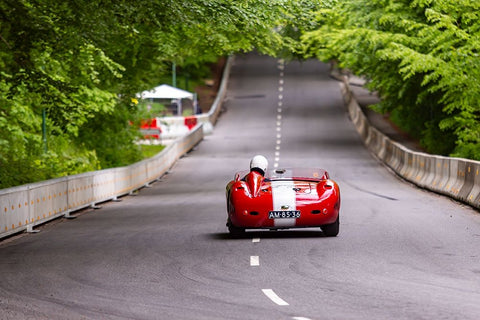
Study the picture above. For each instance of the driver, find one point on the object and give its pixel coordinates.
(254, 179)
(259, 164)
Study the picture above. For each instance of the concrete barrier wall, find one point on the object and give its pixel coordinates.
(453, 177)
(24, 207)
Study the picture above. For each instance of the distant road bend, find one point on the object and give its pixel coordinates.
(402, 253)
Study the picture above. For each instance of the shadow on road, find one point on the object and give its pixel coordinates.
(267, 234)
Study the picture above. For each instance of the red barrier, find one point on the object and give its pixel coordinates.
(149, 129)
(190, 122)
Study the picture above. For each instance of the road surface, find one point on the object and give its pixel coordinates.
(402, 253)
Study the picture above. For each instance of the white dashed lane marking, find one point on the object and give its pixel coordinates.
(273, 296)
(281, 67)
(255, 260)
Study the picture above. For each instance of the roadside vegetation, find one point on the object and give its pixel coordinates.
(69, 70)
(75, 67)
(421, 56)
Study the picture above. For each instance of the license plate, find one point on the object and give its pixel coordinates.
(284, 214)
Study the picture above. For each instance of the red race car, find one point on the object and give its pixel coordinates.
(283, 198)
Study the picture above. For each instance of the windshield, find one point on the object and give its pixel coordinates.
(293, 173)
(297, 173)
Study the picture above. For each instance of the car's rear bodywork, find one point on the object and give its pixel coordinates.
(284, 198)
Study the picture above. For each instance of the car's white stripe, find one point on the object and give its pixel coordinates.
(284, 198)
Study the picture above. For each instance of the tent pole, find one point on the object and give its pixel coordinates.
(195, 103)
(174, 75)
(44, 130)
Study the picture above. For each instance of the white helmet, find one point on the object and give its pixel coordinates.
(259, 162)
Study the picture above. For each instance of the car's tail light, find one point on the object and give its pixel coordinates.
(324, 211)
(328, 186)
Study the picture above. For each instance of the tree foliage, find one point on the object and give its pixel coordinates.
(81, 62)
(423, 58)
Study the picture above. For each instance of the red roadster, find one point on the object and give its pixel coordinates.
(283, 198)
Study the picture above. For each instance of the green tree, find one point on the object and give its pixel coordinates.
(422, 57)
(82, 62)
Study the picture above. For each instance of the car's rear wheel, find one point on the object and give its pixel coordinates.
(235, 231)
(331, 230)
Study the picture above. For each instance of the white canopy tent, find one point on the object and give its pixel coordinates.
(165, 91)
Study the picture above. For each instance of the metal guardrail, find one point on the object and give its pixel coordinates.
(24, 207)
(454, 177)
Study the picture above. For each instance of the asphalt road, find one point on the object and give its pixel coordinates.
(402, 253)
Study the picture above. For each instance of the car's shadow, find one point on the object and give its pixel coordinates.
(267, 234)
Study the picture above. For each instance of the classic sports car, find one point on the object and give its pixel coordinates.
(283, 198)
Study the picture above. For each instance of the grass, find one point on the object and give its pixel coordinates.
(150, 150)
